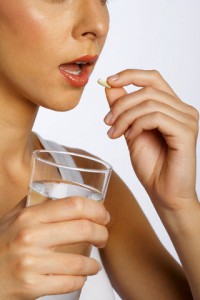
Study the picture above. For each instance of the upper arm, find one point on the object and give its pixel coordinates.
(138, 265)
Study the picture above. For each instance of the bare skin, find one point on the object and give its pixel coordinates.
(154, 118)
(30, 55)
(43, 34)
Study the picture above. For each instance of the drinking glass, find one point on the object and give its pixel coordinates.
(57, 175)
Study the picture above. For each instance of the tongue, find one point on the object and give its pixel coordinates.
(70, 67)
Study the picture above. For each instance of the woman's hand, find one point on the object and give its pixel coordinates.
(29, 236)
(161, 133)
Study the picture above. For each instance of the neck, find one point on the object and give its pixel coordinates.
(17, 117)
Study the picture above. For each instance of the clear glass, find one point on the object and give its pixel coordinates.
(57, 175)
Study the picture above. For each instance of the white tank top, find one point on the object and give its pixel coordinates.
(97, 287)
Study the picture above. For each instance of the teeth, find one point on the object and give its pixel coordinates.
(73, 72)
(81, 63)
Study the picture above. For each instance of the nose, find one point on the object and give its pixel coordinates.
(92, 20)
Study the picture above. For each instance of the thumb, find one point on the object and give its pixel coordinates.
(19, 206)
(11, 215)
(112, 94)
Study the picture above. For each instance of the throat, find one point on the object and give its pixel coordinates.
(15, 176)
(12, 192)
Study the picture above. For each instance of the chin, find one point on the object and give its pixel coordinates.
(57, 100)
(62, 104)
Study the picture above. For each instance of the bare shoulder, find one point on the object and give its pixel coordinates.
(117, 189)
(78, 150)
(134, 251)
(81, 151)
(119, 200)
(121, 203)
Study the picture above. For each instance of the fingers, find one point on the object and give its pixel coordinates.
(55, 273)
(29, 236)
(68, 272)
(30, 248)
(27, 221)
(127, 118)
(142, 78)
(147, 94)
(60, 284)
(149, 80)
(37, 286)
(70, 209)
(64, 264)
(160, 121)
(9, 218)
(61, 222)
(66, 233)
(114, 93)
(156, 96)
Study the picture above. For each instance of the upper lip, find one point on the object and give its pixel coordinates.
(86, 59)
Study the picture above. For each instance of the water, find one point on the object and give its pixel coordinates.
(41, 191)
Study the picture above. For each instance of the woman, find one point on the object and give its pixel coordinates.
(48, 50)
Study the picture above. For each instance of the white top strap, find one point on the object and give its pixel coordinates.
(62, 160)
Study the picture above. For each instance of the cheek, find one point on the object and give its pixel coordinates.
(18, 25)
(21, 42)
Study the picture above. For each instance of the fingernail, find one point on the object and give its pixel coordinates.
(113, 78)
(108, 118)
(127, 133)
(100, 266)
(107, 217)
(111, 131)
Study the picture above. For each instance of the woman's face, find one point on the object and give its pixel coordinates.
(48, 48)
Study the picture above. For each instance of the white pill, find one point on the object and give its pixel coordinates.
(104, 83)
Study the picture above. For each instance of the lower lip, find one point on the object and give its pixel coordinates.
(76, 80)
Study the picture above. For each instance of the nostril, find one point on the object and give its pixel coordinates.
(89, 34)
(93, 23)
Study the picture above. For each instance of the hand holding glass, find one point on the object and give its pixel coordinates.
(57, 175)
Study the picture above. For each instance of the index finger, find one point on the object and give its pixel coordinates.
(72, 208)
(140, 78)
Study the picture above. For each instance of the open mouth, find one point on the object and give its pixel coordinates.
(75, 68)
(78, 71)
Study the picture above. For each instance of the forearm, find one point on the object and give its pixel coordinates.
(144, 270)
(161, 136)
(183, 227)
(133, 251)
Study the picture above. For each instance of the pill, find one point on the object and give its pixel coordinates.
(103, 83)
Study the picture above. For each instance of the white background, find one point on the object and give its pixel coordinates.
(146, 34)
